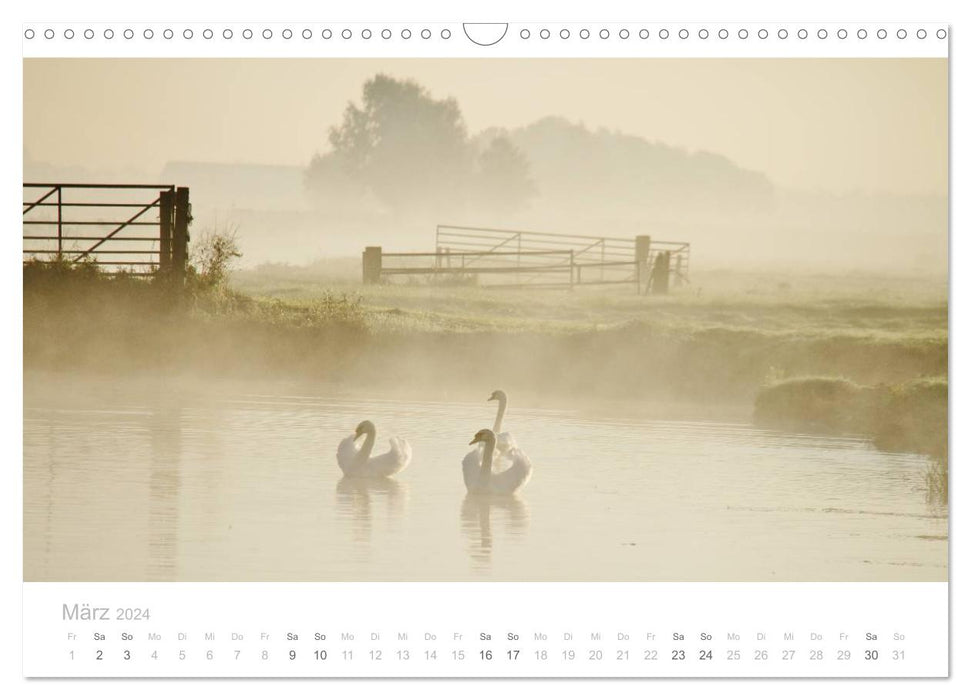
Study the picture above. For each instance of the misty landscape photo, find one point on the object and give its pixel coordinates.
(485, 320)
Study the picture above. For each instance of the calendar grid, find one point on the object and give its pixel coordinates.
(356, 630)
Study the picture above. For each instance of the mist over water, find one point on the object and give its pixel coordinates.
(220, 484)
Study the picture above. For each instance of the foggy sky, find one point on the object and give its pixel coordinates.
(820, 124)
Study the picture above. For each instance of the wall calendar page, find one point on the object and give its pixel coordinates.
(547, 349)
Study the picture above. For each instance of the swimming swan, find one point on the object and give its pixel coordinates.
(504, 441)
(359, 462)
(477, 467)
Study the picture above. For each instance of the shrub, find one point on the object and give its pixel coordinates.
(212, 258)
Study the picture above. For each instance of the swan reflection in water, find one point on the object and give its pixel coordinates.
(477, 515)
(355, 499)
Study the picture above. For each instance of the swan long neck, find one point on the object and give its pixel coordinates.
(489, 445)
(370, 436)
(497, 426)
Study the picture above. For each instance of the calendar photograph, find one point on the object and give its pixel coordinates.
(461, 319)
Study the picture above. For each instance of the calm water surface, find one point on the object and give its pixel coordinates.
(122, 485)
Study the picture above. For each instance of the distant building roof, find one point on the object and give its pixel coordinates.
(240, 185)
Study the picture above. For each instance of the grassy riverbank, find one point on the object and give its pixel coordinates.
(858, 356)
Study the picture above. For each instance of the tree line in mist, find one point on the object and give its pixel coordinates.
(405, 151)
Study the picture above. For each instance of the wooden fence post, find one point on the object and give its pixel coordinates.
(662, 273)
(60, 240)
(166, 205)
(180, 237)
(371, 263)
(642, 253)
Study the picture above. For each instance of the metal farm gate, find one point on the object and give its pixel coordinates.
(512, 258)
(121, 228)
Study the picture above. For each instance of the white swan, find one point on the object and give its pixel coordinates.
(504, 441)
(359, 462)
(477, 467)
